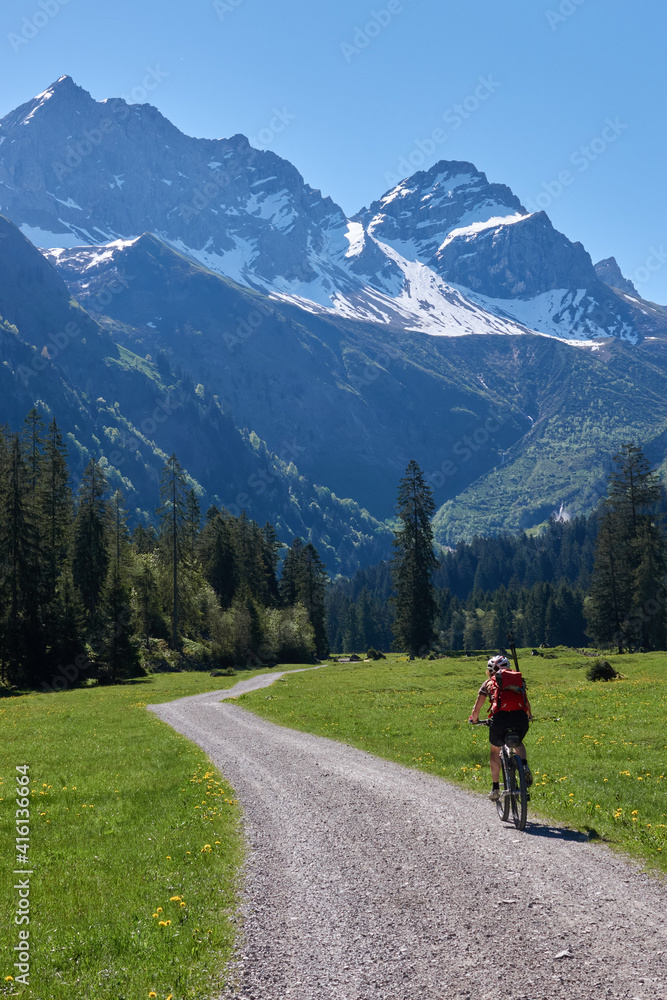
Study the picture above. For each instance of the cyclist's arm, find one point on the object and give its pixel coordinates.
(474, 715)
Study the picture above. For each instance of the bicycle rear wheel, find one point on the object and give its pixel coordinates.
(503, 803)
(519, 792)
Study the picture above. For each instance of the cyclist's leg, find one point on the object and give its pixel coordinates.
(495, 763)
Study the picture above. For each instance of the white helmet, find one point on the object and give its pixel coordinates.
(498, 663)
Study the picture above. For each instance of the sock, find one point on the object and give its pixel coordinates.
(496, 786)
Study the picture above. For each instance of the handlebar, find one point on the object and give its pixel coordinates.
(480, 722)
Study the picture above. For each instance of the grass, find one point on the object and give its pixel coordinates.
(597, 750)
(134, 846)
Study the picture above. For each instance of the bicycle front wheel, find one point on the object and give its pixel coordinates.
(503, 803)
(518, 793)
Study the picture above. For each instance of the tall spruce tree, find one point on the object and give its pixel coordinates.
(21, 627)
(626, 604)
(312, 581)
(91, 538)
(414, 563)
(56, 505)
(172, 514)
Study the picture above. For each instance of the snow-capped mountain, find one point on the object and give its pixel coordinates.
(444, 252)
(479, 238)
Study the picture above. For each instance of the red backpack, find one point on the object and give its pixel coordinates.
(508, 692)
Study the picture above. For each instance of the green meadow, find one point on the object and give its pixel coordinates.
(134, 846)
(597, 750)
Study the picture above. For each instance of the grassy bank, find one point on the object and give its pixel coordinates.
(597, 749)
(134, 846)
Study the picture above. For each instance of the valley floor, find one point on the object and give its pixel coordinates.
(366, 879)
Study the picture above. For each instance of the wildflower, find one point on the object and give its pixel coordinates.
(163, 923)
(152, 993)
(8, 978)
(174, 899)
(159, 909)
(182, 903)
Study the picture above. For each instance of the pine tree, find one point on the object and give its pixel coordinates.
(172, 514)
(118, 653)
(270, 555)
(312, 580)
(192, 523)
(91, 538)
(22, 631)
(630, 562)
(146, 587)
(217, 554)
(55, 498)
(288, 584)
(33, 446)
(414, 563)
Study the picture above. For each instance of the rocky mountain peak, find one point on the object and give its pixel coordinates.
(609, 271)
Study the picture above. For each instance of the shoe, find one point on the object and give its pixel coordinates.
(494, 795)
(528, 774)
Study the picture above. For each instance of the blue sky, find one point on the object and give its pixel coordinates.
(560, 99)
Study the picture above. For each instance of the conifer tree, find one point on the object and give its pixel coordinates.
(118, 654)
(288, 585)
(55, 498)
(172, 513)
(626, 604)
(414, 563)
(91, 538)
(311, 589)
(216, 551)
(33, 438)
(192, 523)
(22, 634)
(270, 554)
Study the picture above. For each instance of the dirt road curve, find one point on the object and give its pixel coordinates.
(368, 880)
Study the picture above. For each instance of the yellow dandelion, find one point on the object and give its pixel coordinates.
(152, 993)
(182, 903)
(163, 923)
(9, 979)
(169, 857)
(159, 909)
(174, 899)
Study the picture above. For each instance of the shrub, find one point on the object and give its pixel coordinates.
(227, 672)
(601, 670)
(373, 654)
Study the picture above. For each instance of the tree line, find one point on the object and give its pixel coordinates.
(82, 595)
(591, 580)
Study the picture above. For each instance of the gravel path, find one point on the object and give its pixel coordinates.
(366, 880)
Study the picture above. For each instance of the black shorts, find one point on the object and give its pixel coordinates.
(501, 722)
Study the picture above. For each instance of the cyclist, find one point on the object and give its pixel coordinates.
(502, 721)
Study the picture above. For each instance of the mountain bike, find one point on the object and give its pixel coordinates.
(514, 796)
